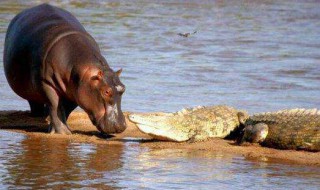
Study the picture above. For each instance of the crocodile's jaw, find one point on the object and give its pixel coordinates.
(156, 125)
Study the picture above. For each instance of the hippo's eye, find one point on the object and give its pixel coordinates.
(109, 92)
(95, 78)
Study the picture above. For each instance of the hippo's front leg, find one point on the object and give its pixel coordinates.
(58, 123)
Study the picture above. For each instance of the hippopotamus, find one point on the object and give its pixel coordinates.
(56, 65)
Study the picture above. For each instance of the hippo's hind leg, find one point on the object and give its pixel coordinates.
(38, 109)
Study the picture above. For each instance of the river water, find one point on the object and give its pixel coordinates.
(59, 164)
(254, 55)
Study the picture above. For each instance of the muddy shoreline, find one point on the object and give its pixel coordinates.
(84, 131)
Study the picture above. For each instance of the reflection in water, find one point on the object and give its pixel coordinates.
(174, 169)
(58, 163)
(10, 147)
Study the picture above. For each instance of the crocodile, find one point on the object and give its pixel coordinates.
(297, 129)
(192, 124)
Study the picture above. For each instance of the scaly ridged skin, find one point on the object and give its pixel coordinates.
(291, 129)
(191, 124)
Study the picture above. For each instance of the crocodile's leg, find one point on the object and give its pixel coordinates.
(255, 133)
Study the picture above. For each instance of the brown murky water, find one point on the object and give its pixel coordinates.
(43, 163)
(254, 55)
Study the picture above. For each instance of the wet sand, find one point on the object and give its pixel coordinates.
(84, 131)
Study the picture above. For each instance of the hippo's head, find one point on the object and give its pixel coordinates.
(99, 93)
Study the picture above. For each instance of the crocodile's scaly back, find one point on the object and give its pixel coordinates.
(190, 124)
(291, 129)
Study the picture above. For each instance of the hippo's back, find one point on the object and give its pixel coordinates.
(28, 37)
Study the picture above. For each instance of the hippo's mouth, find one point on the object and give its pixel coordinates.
(110, 127)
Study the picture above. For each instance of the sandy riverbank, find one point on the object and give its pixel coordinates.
(84, 131)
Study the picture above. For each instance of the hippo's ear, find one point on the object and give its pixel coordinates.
(119, 72)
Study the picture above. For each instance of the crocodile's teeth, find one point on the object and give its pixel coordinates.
(313, 111)
(184, 111)
(197, 108)
(301, 111)
(294, 111)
